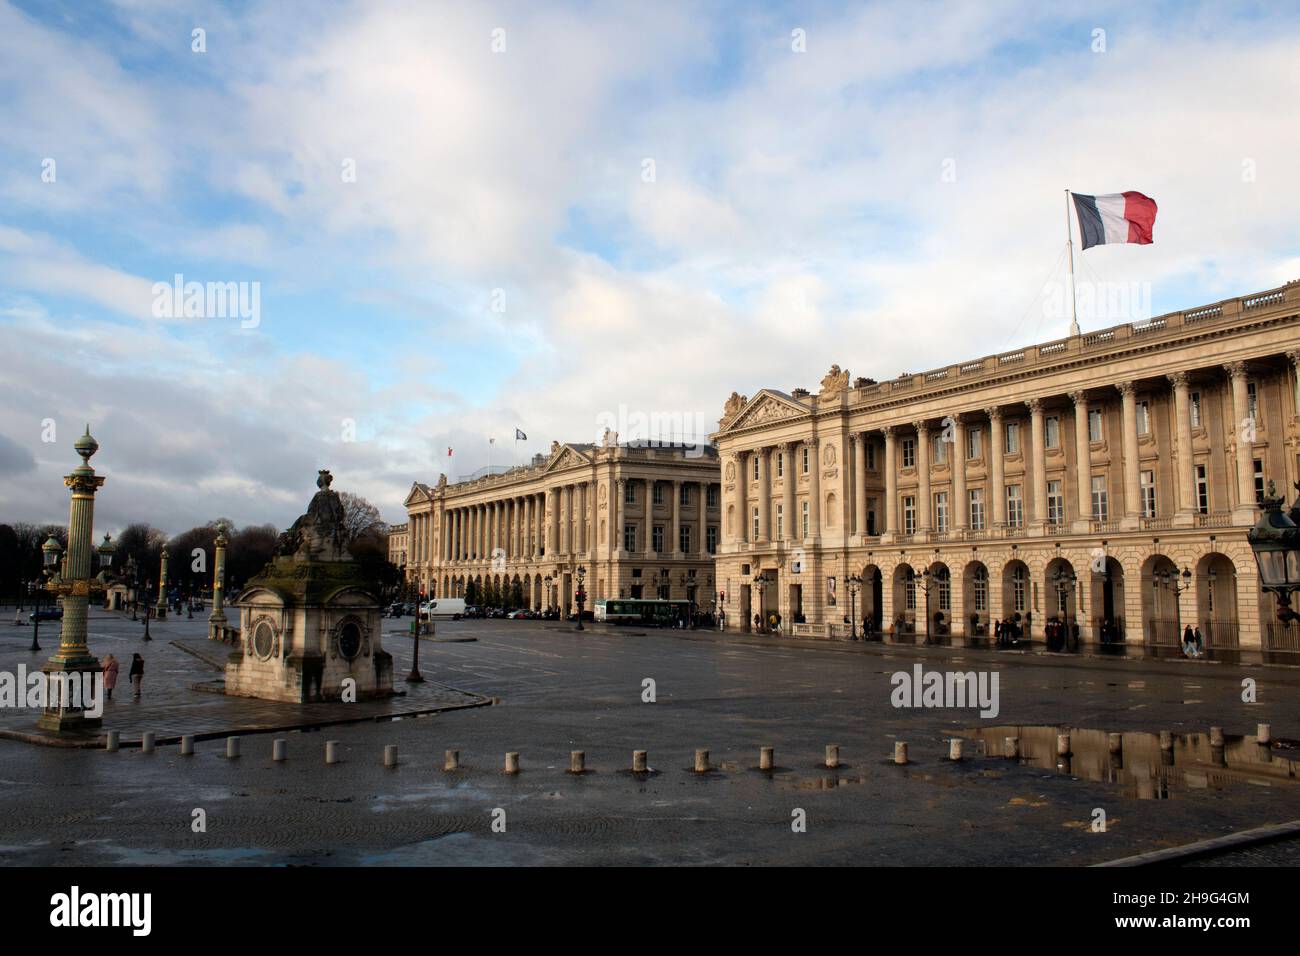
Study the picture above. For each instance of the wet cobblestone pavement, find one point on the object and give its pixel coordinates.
(562, 691)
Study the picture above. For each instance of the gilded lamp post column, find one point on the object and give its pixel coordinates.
(64, 713)
(160, 609)
(217, 619)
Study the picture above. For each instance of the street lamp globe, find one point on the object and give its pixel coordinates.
(1275, 542)
(51, 550)
(106, 551)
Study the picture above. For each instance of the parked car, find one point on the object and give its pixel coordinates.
(47, 614)
(396, 609)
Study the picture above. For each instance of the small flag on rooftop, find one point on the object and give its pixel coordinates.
(1115, 217)
(520, 436)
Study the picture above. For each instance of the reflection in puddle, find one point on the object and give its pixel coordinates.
(1141, 767)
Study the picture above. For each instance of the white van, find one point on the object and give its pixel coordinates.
(453, 608)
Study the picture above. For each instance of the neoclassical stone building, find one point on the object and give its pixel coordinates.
(643, 519)
(1076, 479)
(397, 545)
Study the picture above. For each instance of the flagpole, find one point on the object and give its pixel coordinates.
(1069, 244)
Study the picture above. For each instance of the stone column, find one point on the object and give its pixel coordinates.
(924, 504)
(815, 487)
(1130, 440)
(539, 527)
(552, 521)
(740, 504)
(1038, 452)
(648, 487)
(859, 482)
(957, 465)
(674, 546)
(702, 535)
(584, 538)
(891, 481)
(1294, 356)
(73, 656)
(1186, 459)
(997, 488)
(1245, 449)
(764, 495)
(791, 480)
(1082, 461)
(616, 509)
(217, 619)
(160, 609)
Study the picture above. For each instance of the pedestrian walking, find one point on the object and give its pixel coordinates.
(1196, 638)
(111, 667)
(136, 673)
(1189, 643)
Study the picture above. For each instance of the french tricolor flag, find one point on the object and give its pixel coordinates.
(1116, 217)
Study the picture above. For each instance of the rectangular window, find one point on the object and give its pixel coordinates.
(684, 539)
(909, 452)
(1052, 431)
(686, 494)
(1100, 507)
(1252, 401)
(911, 591)
(1259, 481)
(1013, 438)
(945, 592)
(755, 467)
(629, 493)
(712, 496)
(1144, 418)
(974, 444)
(780, 465)
(976, 496)
(805, 459)
(871, 516)
(658, 537)
(1147, 481)
(981, 590)
(629, 537)
(711, 540)
(804, 518)
(754, 523)
(871, 456)
(909, 514)
(657, 495)
(1202, 491)
(1018, 590)
(941, 511)
(1195, 408)
(1094, 424)
(1055, 503)
(940, 446)
(780, 522)
(1015, 507)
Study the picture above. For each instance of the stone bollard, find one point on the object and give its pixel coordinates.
(451, 760)
(187, 745)
(577, 761)
(701, 760)
(954, 748)
(900, 752)
(232, 747)
(146, 742)
(1115, 743)
(766, 758)
(832, 756)
(638, 761)
(113, 741)
(1166, 740)
(1264, 734)
(1062, 745)
(512, 762)
(1216, 736)
(331, 751)
(390, 755)
(1013, 747)
(279, 749)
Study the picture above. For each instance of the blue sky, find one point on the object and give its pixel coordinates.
(501, 259)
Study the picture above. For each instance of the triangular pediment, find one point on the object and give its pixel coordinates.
(566, 456)
(417, 494)
(767, 406)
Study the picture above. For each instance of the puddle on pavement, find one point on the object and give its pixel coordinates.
(1142, 769)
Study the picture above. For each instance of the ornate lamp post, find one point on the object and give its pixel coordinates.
(925, 585)
(160, 611)
(133, 575)
(106, 551)
(854, 581)
(1169, 579)
(1275, 541)
(73, 659)
(760, 585)
(217, 619)
(1065, 582)
(547, 581)
(50, 557)
(581, 596)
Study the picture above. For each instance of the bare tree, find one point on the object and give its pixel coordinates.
(360, 517)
